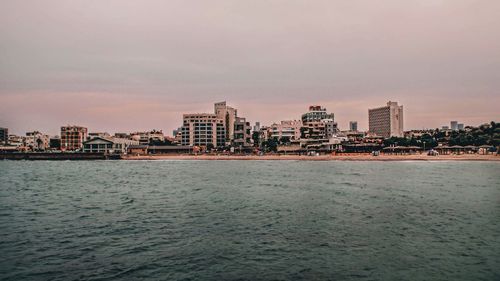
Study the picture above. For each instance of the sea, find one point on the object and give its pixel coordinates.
(249, 220)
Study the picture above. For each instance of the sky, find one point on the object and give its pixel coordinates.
(122, 66)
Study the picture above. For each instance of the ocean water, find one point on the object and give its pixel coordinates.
(249, 220)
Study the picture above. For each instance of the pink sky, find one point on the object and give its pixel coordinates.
(122, 66)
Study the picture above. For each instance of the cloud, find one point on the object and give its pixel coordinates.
(270, 58)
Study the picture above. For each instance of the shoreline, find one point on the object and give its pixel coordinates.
(364, 157)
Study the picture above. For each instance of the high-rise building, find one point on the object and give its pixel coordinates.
(4, 135)
(203, 129)
(228, 116)
(353, 126)
(454, 125)
(72, 137)
(386, 121)
(460, 126)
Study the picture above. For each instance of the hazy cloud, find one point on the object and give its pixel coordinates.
(130, 65)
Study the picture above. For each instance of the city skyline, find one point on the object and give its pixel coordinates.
(344, 125)
(129, 66)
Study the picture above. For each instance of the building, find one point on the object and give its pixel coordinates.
(460, 126)
(318, 124)
(37, 141)
(154, 136)
(15, 140)
(454, 125)
(122, 135)
(353, 126)
(203, 129)
(316, 113)
(386, 121)
(98, 135)
(287, 129)
(228, 116)
(330, 128)
(72, 137)
(242, 133)
(256, 127)
(108, 145)
(55, 143)
(4, 135)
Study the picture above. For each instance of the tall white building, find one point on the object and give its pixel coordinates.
(386, 121)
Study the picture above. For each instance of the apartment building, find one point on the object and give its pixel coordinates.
(386, 121)
(72, 137)
(287, 128)
(242, 133)
(203, 129)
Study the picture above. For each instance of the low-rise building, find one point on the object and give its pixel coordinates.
(15, 140)
(286, 129)
(147, 137)
(36, 141)
(98, 135)
(108, 145)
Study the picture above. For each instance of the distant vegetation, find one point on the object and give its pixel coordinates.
(487, 134)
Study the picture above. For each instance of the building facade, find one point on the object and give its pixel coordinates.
(108, 145)
(287, 128)
(454, 125)
(317, 123)
(203, 129)
(72, 137)
(242, 133)
(386, 121)
(37, 141)
(228, 116)
(4, 136)
(145, 138)
(316, 113)
(353, 126)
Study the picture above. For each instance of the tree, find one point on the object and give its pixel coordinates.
(271, 144)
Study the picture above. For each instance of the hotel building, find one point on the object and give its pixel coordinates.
(386, 121)
(203, 129)
(72, 137)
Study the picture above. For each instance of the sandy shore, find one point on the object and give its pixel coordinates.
(351, 157)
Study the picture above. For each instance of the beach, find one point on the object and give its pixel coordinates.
(342, 157)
